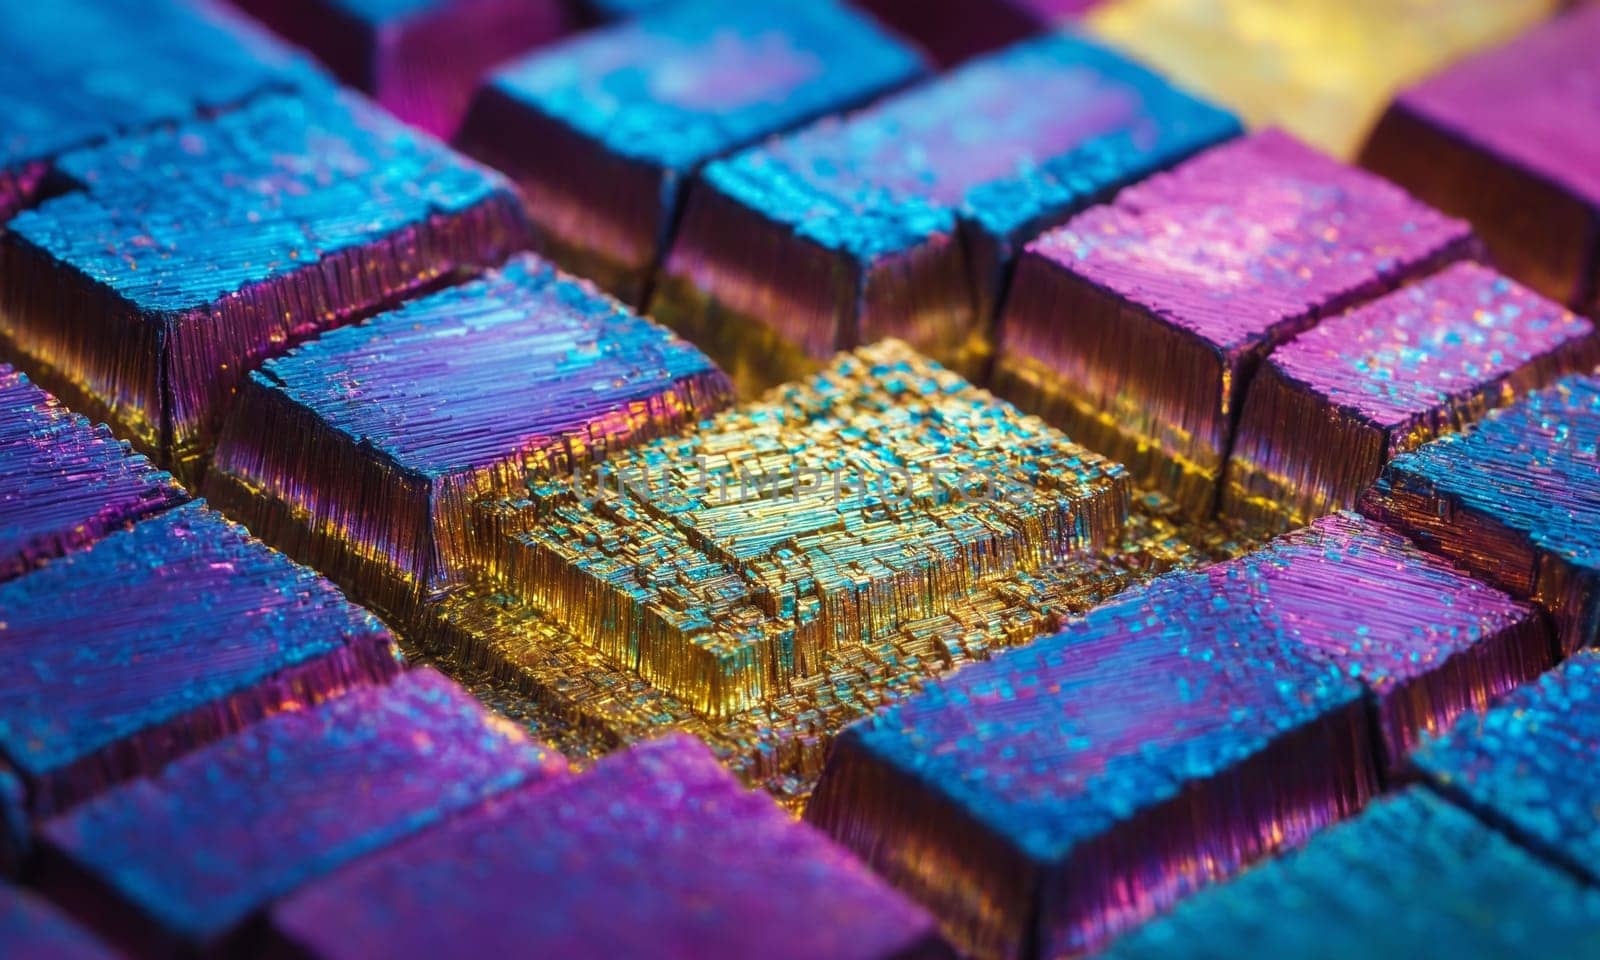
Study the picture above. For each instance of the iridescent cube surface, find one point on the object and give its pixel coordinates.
(655, 851)
(184, 857)
(65, 482)
(901, 220)
(154, 641)
(1137, 326)
(75, 73)
(1328, 409)
(362, 452)
(1510, 139)
(1516, 501)
(604, 132)
(182, 258)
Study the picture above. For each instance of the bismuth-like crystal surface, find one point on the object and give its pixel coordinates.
(604, 132)
(901, 219)
(421, 59)
(195, 850)
(74, 73)
(1516, 500)
(64, 482)
(32, 929)
(722, 564)
(953, 30)
(1413, 876)
(1426, 640)
(158, 639)
(1327, 410)
(1321, 68)
(1528, 764)
(656, 851)
(1070, 788)
(1510, 139)
(1136, 326)
(183, 258)
(362, 451)
(884, 589)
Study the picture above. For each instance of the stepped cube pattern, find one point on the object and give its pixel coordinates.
(1170, 736)
(185, 257)
(156, 640)
(1137, 326)
(1324, 69)
(901, 220)
(1451, 878)
(1515, 501)
(75, 73)
(609, 858)
(1510, 139)
(604, 132)
(403, 422)
(421, 59)
(1328, 409)
(64, 482)
(197, 849)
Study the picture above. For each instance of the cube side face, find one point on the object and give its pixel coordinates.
(1512, 501)
(66, 482)
(1078, 355)
(255, 635)
(333, 211)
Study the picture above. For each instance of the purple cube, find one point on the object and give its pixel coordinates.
(181, 259)
(362, 452)
(901, 220)
(1515, 500)
(604, 132)
(421, 59)
(157, 640)
(953, 30)
(181, 859)
(1328, 409)
(65, 482)
(1510, 139)
(655, 851)
(1137, 326)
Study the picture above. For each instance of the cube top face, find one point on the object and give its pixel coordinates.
(1534, 101)
(524, 359)
(1003, 141)
(1411, 875)
(1055, 743)
(76, 72)
(1420, 348)
(1530, 468)
(695, 80)
(1242, 245)
(611, 855)
(1321, 68)
(181, 610)
(222, 831)
(65, 482)
(280, 185)
(1529, 761)
(837, 510)
(1365, 599)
